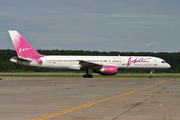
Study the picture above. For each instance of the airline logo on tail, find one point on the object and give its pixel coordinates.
(23, 48)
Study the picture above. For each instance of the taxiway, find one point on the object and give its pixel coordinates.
(89, 99)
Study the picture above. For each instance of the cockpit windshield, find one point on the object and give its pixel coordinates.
(163, 61)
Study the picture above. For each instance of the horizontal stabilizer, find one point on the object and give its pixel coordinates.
(20, 61)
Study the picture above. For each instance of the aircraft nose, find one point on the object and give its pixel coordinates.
(168, 66)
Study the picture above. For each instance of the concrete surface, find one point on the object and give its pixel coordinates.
(89, 99)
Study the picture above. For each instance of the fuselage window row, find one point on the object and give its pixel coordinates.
(48, 61)
(91, 61)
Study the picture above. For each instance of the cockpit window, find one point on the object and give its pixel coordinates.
(163, 61)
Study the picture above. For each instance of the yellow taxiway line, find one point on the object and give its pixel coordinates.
(91, 103)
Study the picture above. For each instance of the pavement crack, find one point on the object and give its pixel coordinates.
(139, 103)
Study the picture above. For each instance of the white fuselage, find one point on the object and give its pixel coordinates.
(104, 65)
(122, 62)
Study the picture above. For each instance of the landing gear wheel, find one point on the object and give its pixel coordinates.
(84, 76)
(90, 76)
(87, 76)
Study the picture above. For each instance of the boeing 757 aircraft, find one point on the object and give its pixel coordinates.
(104, 65)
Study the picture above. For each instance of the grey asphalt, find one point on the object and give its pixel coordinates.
(30, 98)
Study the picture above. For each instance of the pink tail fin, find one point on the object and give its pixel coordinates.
(23, 48)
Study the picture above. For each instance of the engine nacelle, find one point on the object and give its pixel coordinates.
(108, 70)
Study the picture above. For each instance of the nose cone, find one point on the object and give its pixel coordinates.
(168, 66)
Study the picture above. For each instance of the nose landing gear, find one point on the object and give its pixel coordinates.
(151, 73)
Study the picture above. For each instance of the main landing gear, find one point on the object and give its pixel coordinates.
(88, 73)
(151, 73)
(88, 76)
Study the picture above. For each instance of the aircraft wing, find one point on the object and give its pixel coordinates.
(85, 64)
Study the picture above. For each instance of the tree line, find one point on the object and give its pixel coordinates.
(6, 66)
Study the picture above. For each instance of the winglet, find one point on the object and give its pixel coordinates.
(23, 48)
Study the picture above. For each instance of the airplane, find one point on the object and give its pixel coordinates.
(104, 65)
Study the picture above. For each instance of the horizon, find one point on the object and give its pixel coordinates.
(92, 51)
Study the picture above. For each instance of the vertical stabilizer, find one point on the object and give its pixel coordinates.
(23, 48)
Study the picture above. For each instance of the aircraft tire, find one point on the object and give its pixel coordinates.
(150, 77)
(90, 76)
(87, 76)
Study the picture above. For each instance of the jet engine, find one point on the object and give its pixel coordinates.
(108, 70)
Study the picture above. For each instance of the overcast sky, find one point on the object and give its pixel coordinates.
(95, 25)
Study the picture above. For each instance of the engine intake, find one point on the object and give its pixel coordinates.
(108, 70)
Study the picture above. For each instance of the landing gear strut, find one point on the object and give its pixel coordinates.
(88, 73)
(151, 73)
